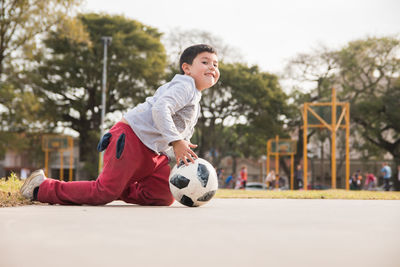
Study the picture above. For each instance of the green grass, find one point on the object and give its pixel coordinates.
(9, 192)
(309, 194)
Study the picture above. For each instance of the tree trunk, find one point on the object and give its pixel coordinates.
(322, 160)
(88, 140)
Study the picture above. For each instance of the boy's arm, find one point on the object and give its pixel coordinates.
(173, 100)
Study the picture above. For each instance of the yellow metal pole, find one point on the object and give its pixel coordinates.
(327, 104)
(61, 166)
(305, 145)
(268, 151)
(100, 162)
(71, 157)
(340, 118)
(291, 171)
(46, 162)
(333, 129)
(347, 146)
(277, 162)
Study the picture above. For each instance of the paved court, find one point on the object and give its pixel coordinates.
(225, 232)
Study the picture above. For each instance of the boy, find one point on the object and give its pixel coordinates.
(136, 168)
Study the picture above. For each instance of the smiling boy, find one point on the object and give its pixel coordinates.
(136, 167)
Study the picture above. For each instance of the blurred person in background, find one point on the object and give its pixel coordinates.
(370, 181)
(387, 174)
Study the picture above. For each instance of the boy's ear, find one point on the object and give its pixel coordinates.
(186, 68)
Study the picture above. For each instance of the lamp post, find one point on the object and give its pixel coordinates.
(263, 174)
(106, 42)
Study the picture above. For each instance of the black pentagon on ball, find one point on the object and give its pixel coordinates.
(207, 196)
(203, 174)
(187, 201)
(181, 163)
(179, 181)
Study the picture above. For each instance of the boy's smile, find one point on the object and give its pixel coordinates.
(204, 70)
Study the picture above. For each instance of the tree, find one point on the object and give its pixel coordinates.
(365, 73)
(240, 113)
(177, 40)
(369, 71)
(313, 76)
(69, 76)
(22, 22)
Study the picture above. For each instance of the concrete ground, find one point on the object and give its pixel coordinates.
(225, 232)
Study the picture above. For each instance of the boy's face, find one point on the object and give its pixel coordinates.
(204, 70)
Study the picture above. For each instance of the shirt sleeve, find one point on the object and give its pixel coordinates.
(174, 98)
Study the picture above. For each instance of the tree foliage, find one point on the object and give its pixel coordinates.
(312, 77)
(22, 22)
(177, 40)
(365, 73)
(69, 77)
(240, 113)
(243, 110)
(369, 78)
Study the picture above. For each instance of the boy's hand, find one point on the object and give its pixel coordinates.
(183, 151)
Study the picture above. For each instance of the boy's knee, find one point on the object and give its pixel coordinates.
(160, 203)
(165, 200)
(104, 200)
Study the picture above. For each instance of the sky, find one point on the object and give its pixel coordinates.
(267, 33)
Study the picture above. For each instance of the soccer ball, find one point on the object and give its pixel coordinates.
(195, 184)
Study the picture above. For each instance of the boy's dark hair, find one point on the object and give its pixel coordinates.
(192, 51)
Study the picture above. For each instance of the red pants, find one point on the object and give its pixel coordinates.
(137, 176)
